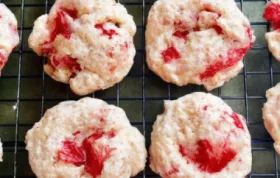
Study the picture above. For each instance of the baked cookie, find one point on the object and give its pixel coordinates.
(87, 138)
(272, 14)
(200, 136)
(89, 43)
(271, 115)
(201, 42)
(9, 38)
(1, 151)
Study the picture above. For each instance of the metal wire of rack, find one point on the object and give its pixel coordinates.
(265, 160)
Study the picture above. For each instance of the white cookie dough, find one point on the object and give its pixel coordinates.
(271, 115)
(84, 139)
(1, 151)
(272, 14)
(200, 42)
(199, 136)
(89, 43)
(9, 38)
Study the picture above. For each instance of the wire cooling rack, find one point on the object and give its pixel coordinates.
(26, 92)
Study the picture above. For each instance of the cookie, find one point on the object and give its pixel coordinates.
(272, 14)
(200, 136)
(200, 42)
(89, 43)
(271, 115)
(87, 138)
(9, 38)
(1, 151)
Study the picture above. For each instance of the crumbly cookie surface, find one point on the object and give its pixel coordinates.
(87, 138)
(89, 43)
(200, 136)
(9, 38)
(272, 14)
(271, 115)
(201, 42)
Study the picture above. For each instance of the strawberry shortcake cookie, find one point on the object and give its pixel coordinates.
(87, 138)
(9, 38)
(89, 43)
(272, 14)
(271, 115)
(197, 41)
(1, 151)
(200, 136)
